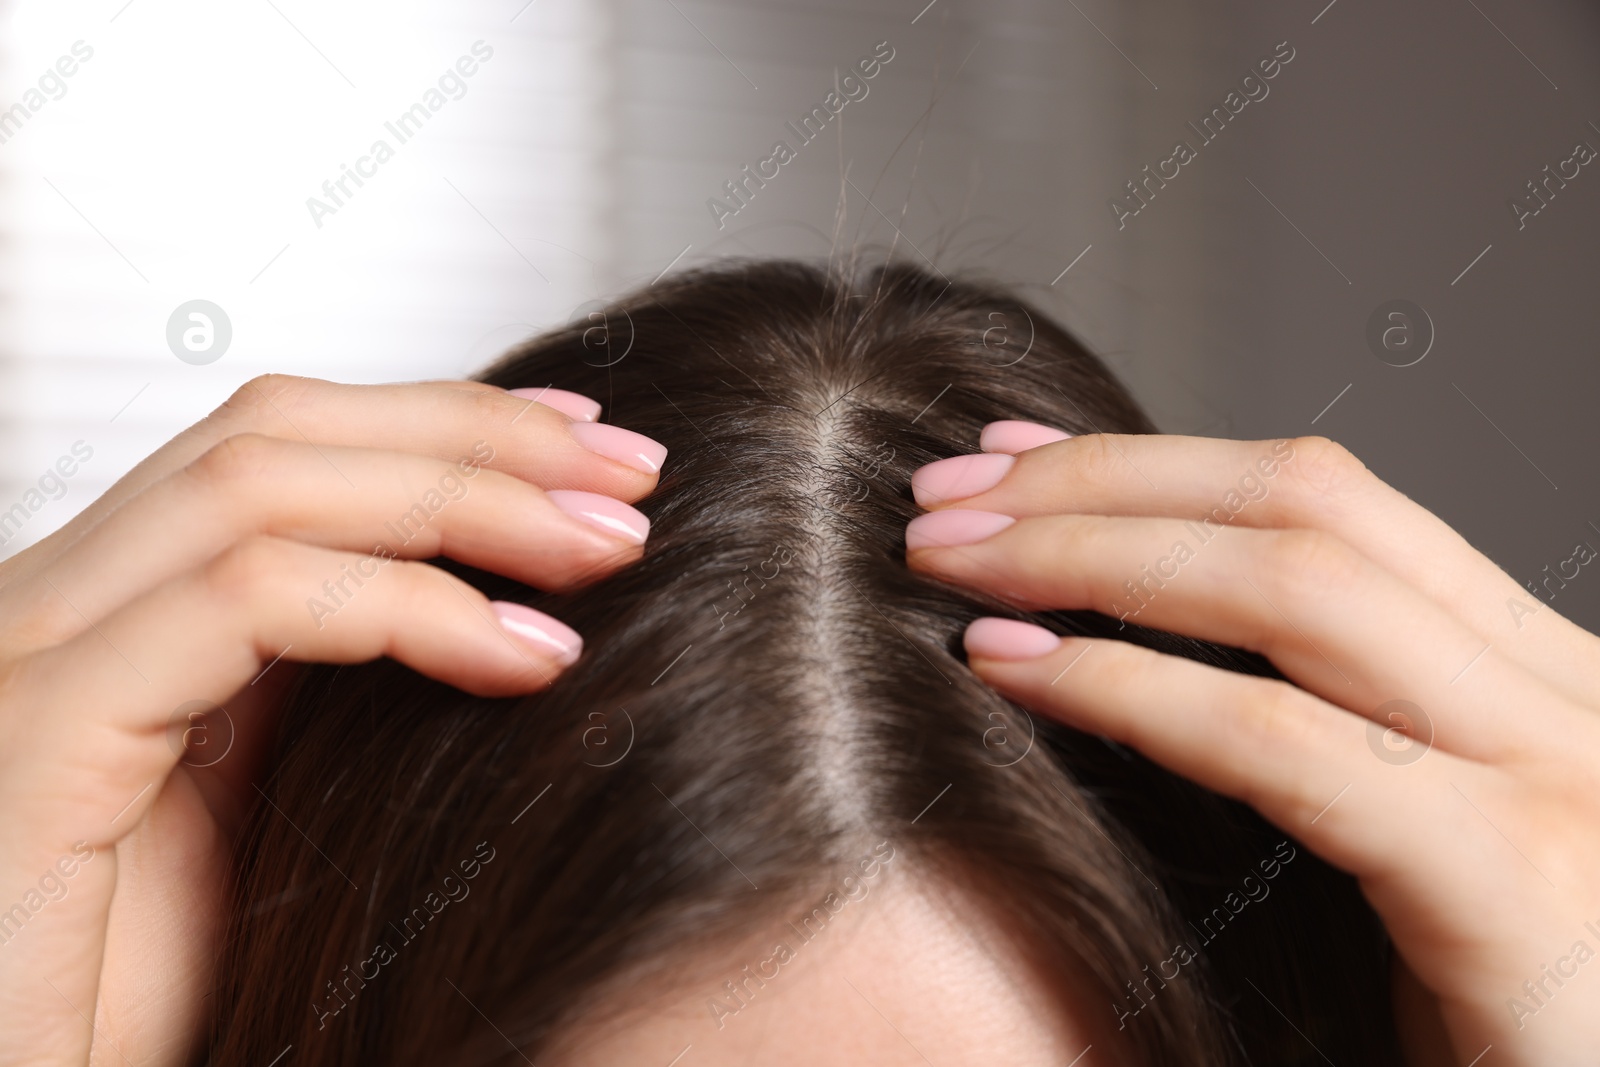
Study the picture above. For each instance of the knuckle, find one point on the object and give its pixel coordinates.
(413, 590)
(47, 620)
(410, 580)
(1272, 726)
(249, 570)
(1324, 468)
(1096, 459)
(485, 417)
(1269, 717)
(263, 396)
(236, 457)
(1119, 667)
(1060, 553)
(486, 408)
(1308, 563)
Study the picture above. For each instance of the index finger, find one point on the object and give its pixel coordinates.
(1305, 482)
(528, 436)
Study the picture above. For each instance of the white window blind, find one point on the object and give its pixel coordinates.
(176, 163)
(176, 160)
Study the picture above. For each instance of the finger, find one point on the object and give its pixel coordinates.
(1011, 436)
(1307, 482)
(401, 504)
(1328, 617)
(1305, 765)
(95, 737)
(1406, 820)
(451, 421)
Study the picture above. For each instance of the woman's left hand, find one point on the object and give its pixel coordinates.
(1438, 736)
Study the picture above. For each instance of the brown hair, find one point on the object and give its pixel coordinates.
(761, 699)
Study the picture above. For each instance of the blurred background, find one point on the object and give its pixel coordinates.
(1391, 240)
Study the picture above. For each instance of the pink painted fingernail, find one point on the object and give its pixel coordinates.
(1008, 639)
(1012, 436)
(608, 513)
(958, 477)
(613, 442)
(957, 526)
(572, 405)
(556, 640)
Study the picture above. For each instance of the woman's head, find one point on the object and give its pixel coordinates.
(770, 757)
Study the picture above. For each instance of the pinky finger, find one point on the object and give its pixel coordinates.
(1307, 766)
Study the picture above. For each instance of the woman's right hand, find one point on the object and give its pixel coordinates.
(263, 533)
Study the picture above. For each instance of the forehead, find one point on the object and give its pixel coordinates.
(893, 976)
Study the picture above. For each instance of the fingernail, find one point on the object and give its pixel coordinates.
(958, 477)
(608, 513)
(572, 405)
(554, 639)
(626, 447)
(1012, 436)
(1008, 639)
(957, 526)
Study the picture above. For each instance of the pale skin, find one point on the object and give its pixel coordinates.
(190, 577)
(184, 582)
(1482, 857)
(914, 973)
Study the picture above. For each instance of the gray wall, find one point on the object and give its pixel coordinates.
(1236, 303)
